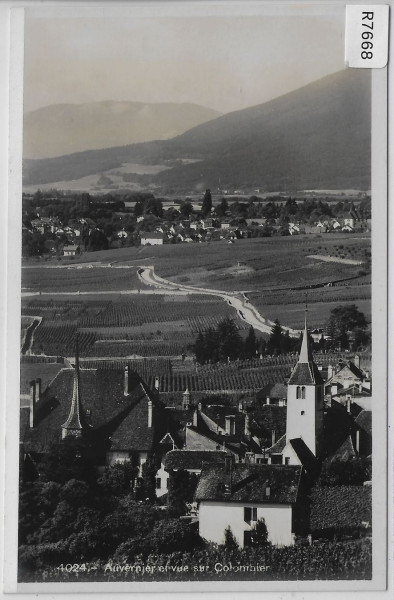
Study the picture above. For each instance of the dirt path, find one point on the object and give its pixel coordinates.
(246, 311)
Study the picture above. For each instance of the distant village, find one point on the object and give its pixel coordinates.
(95, 223)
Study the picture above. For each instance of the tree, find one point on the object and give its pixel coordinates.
(97, 241)
(230, 543)
(186, 209)
(230, 343)
(146, 485)
(274, 344)
(251, 346)
(69, 459)
(206, 203)
(345, 319)
(181, 488)
(259, 534)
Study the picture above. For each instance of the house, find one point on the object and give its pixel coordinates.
(238, 495)
(218, 427)
(294, 229)
(71, 250)
(273, 394)
(113, 409)
(225, 225)
(346, 375)
(152, 238)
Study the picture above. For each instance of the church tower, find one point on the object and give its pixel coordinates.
(76, 423)
(305, 397)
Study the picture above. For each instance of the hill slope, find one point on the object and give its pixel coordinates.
(67, 128)
(317, 136)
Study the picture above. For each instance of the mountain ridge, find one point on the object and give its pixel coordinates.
(317, 135)
(66, 128)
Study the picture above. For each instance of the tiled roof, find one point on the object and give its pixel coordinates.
(268, 418)
(278, 447)
(364, 421)
(218, 414)
(122, 419)
(345, 452)
(249, 483)
(305, 374)
(273, 390)
(45, 371)
(192, 459)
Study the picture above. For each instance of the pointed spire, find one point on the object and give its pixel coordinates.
(76, 421)
(306, 352)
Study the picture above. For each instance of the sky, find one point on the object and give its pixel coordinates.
(219, 59)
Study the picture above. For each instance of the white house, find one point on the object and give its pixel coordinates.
(238, 495)
(153, 238)
(71, 250)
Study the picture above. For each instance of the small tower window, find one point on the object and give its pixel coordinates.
(303, 392)
(302, 412)
(298, 393)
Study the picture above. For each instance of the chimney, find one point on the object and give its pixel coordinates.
(199, 406)
(186, 399)
(267, 492)
(357, 361)
(247, 425)
(32, 403)
(157, 384)
(150, 413)
(230, 425)
(240, 406)
(126, 381)
(349, 405)
(273, 437)
(330, 371)
(268, 400)
(195, 417)
(228, 475)
(38, 390)
(358, 442)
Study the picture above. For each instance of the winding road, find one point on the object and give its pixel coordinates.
(246, 311)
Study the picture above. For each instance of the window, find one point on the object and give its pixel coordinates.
(250, 514)
(158, 483)
(276, 459)
(302, 412)
(303, 392)
(298, 393)
(287, 460)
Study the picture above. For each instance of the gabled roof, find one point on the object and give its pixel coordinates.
(364, 421)
(153, 235)
(305, 372)
(123, 420)
(345, 452)
(250, 483)
(192, 459)
(278, 447)
(273, 390)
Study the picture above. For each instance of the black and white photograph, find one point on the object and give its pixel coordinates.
(202, 359)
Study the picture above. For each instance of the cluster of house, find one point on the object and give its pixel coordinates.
(348, 224)
(71, 232)
(254, 461)
(198, 230)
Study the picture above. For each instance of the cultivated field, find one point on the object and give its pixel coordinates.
(101, 295)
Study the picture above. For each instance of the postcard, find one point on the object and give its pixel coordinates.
(198, 302)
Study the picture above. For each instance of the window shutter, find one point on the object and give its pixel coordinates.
(247, 514)
(254, 514)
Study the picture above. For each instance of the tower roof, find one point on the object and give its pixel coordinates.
(76, 418)
(305, 372)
